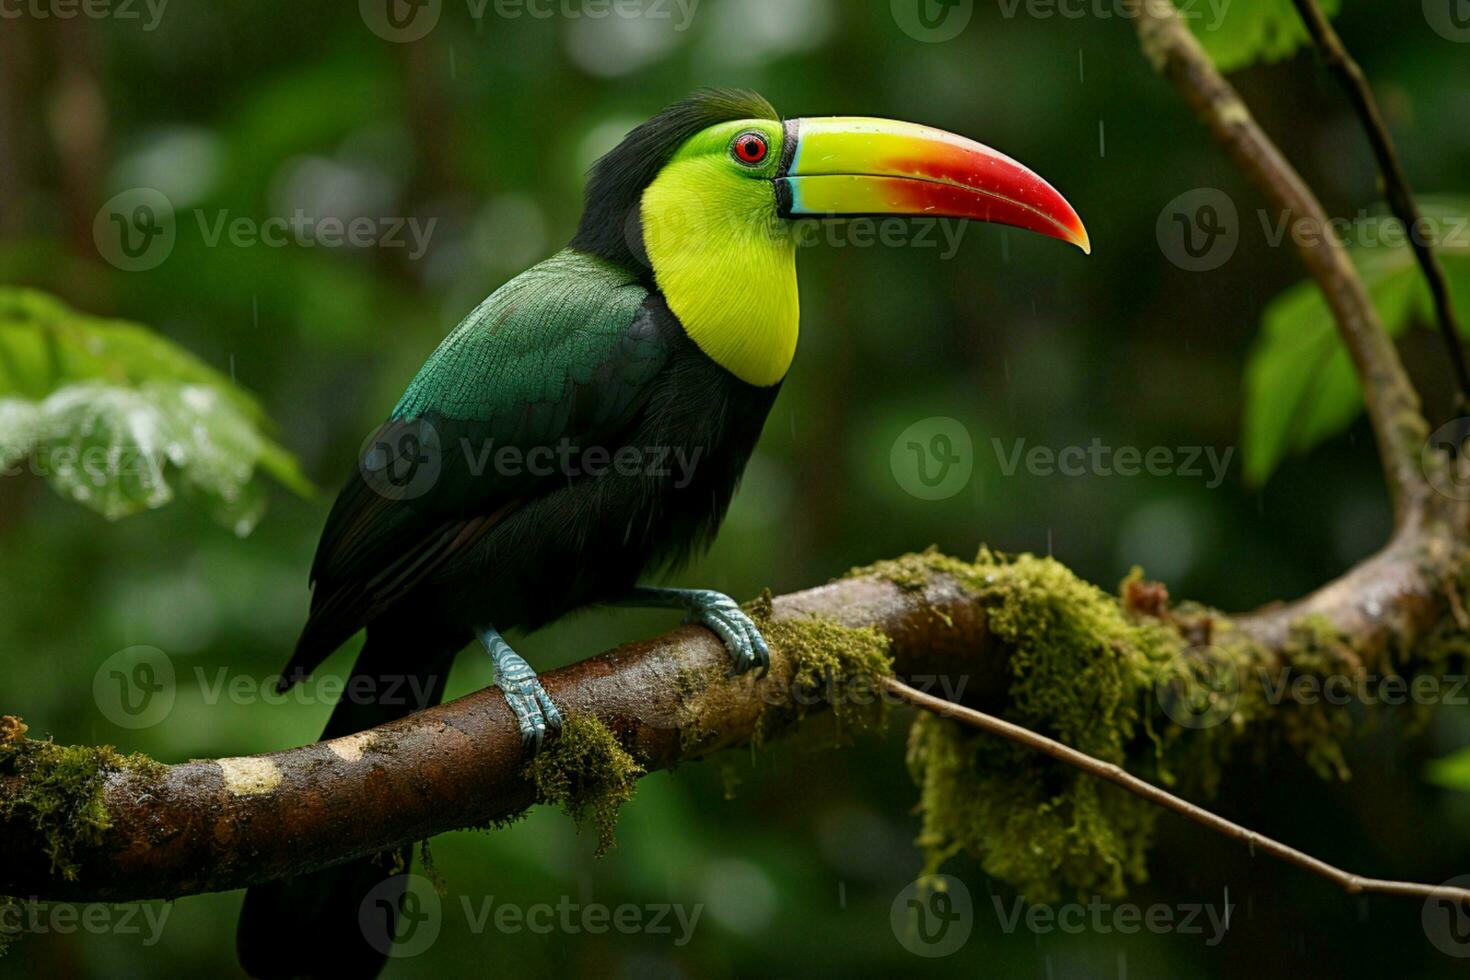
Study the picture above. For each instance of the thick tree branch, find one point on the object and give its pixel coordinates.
(1395, 180)
(1392, 404)
(210, 825)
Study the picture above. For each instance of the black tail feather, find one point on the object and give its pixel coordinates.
(339, 921)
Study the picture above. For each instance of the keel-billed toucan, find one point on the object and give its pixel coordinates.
(527, 470)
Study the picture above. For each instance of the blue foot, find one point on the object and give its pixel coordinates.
(720, 613)
(523, 691)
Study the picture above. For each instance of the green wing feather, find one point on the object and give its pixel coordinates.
(551, 327)
(561, 352)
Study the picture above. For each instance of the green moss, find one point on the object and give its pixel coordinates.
(820, 664)
(1169, 692)
(62, 793)
(588, 774)
(1082, 672)
(816, 664)
(913, 572)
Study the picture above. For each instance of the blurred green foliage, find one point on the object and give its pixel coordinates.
(1451, 772)
(1240, 33)
(107, 412)
(1300, 385)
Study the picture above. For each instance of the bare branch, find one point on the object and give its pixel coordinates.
(1392, 404)
(1395, 180)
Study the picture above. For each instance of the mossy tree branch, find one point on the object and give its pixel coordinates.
(1410, 576)
(208, 825)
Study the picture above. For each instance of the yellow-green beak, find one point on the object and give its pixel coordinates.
(842, 166)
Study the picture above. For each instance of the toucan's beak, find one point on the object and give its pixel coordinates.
(848, 165)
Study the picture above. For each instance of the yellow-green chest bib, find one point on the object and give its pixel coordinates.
(730, 281)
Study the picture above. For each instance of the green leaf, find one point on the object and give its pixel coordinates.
(20, 427)
(1239, 33)
(114, 416)
(1300, 387)
(1451, 771)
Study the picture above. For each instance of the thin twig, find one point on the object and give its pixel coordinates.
(1392, 403)
(1353, 884)
(1395, 181)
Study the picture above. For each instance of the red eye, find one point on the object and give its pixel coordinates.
(750, 147)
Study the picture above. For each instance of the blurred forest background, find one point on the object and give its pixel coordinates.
(486, 126)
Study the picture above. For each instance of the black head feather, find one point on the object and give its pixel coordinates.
(609, 226)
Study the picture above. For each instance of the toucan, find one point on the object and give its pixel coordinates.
(585, 427)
